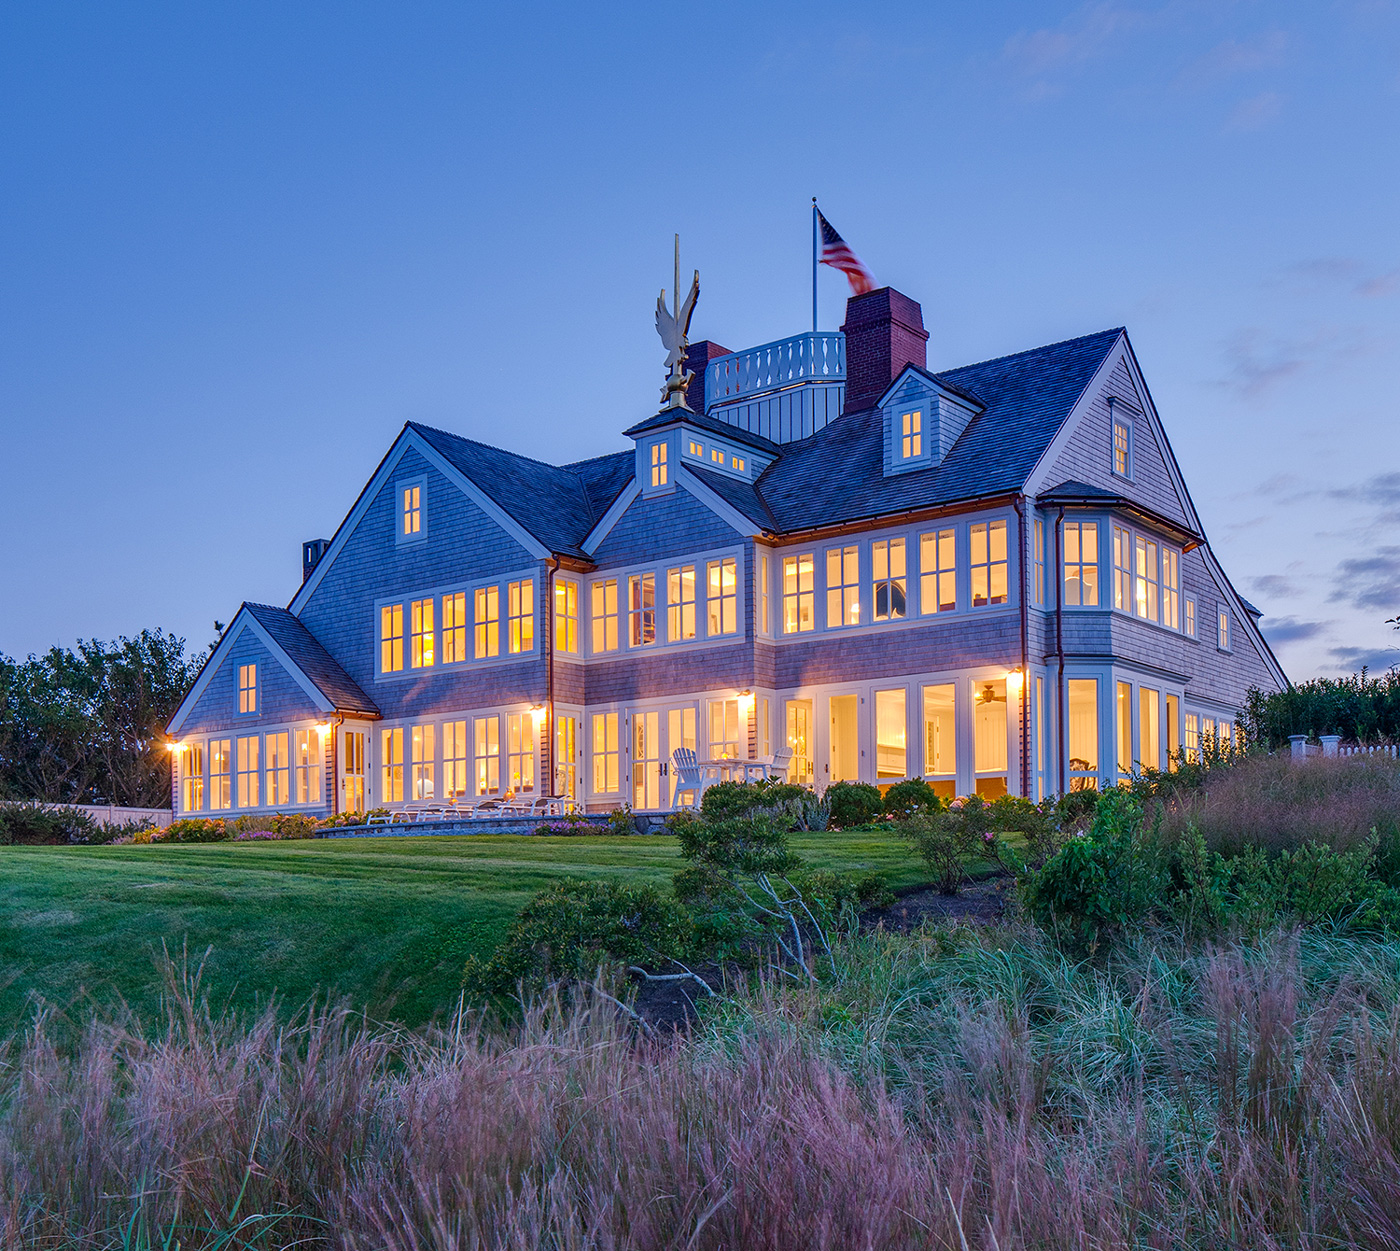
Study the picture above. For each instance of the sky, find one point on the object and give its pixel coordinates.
(242, 244)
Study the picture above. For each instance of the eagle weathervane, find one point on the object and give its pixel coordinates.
(673, 326)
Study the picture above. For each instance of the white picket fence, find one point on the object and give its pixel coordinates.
(1332, 745)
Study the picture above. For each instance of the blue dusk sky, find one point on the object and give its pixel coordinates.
(242, 243)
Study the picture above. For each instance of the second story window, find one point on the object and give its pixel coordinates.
(717, 455)
(697, 450)
(763, 621)
(604, 615)
(680, 603)
(1122, 569)
(911, 434)
(1122, 448)
(842, 586)
(1145, 574)
(420, 634)
(247, 688)
(410, 511)
(722, 596)
(520, 610)
(454, 628)
(391, 638)
(566, 616)
(658, 464)
(887, 570)
(987, 562)
(1081, 559)
(488, 621)
(1222, 628)
(799, 593)
(1171, 588)
(938, 572)
(1038, 563)
(641, 609)
(737, 462)
(1189, 617)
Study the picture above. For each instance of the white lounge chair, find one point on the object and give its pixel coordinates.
(691, 775)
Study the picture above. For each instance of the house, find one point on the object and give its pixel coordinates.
(992, 577)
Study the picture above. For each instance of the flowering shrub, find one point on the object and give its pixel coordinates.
(249, 836)
(573, 823)
(188, 830)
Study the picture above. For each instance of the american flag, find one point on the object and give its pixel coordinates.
(838, 255)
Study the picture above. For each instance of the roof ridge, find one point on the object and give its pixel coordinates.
(1044, 347)
(573, 465)
(490, 447)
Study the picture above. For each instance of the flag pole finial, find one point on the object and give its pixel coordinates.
(673, 325)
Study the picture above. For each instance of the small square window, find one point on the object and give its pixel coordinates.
(737, 462)
(697, 449)
(911, 434)
(717, 455)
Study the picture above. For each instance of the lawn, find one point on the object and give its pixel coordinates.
(386, 922)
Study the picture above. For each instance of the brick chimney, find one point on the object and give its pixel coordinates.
(697, 356)
(884, 332)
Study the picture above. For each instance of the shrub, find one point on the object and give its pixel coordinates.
(915, 795)
(199, 830)
(569, 930)
(1357, 707)
(621, 820)
(752, 845)
(32, 824)
(736, 799)
(947, 840)
(853, 803)
(573, 823)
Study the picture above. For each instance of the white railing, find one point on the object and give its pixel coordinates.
(1332, 745)
(1378, 749)
(814, 357)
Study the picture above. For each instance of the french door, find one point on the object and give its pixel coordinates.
(656, 733)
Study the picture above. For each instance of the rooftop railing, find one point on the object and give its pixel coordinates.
(818, 356)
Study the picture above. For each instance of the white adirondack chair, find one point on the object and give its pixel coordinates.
(691, 775)
(782, 762)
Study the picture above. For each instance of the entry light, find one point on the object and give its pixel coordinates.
(746, 701)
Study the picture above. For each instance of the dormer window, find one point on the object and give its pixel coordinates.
(717, 455)
(737, 462)
(697, 449)
(247, 689)
(911, 434)
(658, 465)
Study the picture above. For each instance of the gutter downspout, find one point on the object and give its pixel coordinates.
(1060, 747)
(548, 744)
(1025, 651)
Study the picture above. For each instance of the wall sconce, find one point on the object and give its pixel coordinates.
(746, 702)
(172, 746)
(1013, 681)
(537, 711)
(323, 728)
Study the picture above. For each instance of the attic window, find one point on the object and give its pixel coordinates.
(658, 465)
(737, 462)
(1122, 448)
(717, 455)
(412, 495)
(697, 450)
(911, 442)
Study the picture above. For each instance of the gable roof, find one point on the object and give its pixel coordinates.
(314, 661)
(837, 475)
(1087, 493)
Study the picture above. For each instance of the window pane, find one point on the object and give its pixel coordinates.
(1083, 728)
(941, 736)
(891, 733)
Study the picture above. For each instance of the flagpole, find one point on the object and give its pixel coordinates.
(814, 264)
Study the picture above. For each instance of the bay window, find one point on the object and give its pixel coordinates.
(520, 616)
(1081, 562)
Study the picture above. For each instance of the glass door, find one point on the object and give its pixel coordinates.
(646, 761)
(845, 739)
(565, 764)
(353, 773)
(680, 732)
(800, 742)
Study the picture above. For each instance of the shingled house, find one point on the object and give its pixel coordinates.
(992, 577)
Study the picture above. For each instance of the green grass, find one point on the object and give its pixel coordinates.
(386, 922)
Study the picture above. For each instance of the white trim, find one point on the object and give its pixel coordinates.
(614, 514)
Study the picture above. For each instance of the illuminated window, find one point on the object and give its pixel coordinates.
(306, 761)
(192, 778)
(520, 751)
(423, 760)
(1083, 729)
(1145, 579)
(566, 616)
(938, 589)
(246, 771)
(488, 621)
(641, 609)
(1125, 730)
(717, 455)
(1122, 569)
(1038, 562)
(987, 562)
(697, 449)
(990, 725)
(737, 462)
(456, 760)
(247, 688)
(887, 570)
(763, 620)
(220, 772)
(1122, 448)
(391, 766)
(1189, 619)
(911, 434)
(279, 771)
(410, 511)
(353, 771)
(722, 596)
(680, 603)
(800, 741)
(420, 634)
(565, 745)
(1173, 732)
(488, 755)
(1193, 738)
(799, 593)
(1222, 628)
(605, 615)
(607, 757)
(842, 586)
(520, 611)
(1081, 560)
(391, 638)
(454, 628)
(1149, 728)
(941, 739)
(891, 735)
(1171, 588)
(658, 464)
(728, 728)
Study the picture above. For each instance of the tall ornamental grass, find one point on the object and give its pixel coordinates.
(951, 1089)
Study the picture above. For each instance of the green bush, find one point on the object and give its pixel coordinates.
(204, 830)
(736, 799)
(948, 839)
(621, 820)
(33, 824)
(915, 795)
(853, 803)
(571, 929)
(753, 844)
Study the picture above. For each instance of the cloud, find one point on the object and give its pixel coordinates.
(1090, 32)
(1382, 489)
(1238, 56)
(1354, 659)
(1382, 284)
(1345, 272)
(1257, 362)
(1256, 112)
(1290, 630)
(1275, 586)
(1371, 582)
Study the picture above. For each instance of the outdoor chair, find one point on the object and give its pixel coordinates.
(691, 775)
(379, 818)
(782, 762)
